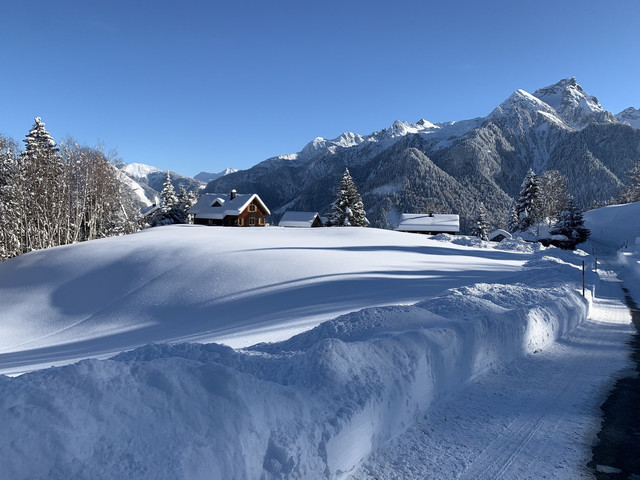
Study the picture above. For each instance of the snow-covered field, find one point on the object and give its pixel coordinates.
(234, 286)
(409, 324)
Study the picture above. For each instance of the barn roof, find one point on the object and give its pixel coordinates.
(298, 219)
(423, 222)
(216, 206)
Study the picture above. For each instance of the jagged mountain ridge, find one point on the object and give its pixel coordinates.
(457, 165)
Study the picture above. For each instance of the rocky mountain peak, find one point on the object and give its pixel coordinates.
(629, 116)
(573, 104)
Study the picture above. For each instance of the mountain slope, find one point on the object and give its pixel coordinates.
(630, 116)
(207, 177)
(148, 181)
(456, 165)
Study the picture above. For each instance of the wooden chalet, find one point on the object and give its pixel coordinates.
(230, 210)
(300, 220)
(429, 223)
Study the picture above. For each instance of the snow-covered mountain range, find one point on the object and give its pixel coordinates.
(458, 165)
(146, 181)
(207, 177)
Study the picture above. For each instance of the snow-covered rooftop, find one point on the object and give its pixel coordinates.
(423, 222)
(216, 206)
(298, 219)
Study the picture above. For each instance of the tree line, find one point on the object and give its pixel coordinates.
(54, 194)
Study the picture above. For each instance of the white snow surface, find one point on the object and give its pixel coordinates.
(615, 232)
(406, 328)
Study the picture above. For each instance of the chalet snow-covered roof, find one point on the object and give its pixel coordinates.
(298, 219)
(216, 206)
(423, 222)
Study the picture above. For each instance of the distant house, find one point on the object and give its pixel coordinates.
(230, 209)
(499, 235)
(429, 224)
(150, 210)
(300, 220)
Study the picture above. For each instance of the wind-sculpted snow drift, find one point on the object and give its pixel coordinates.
(313, 406)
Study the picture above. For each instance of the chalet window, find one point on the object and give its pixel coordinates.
(252, 221)
(240, 222)
(261, 221)
(252, 208)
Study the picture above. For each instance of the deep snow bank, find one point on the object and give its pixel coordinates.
(615, 232)
(310, 407)
(612, 228)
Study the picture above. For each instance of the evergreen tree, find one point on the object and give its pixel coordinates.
(348, 209)
(513, 223)
(51, 196)
(571, 224)
(481, 227)
(528, 207)
(41, 190)
(173, 208)
(186, 200)
(168, 198)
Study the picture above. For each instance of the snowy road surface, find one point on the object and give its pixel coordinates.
(535, 418)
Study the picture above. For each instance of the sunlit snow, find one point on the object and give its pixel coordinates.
(367, 330)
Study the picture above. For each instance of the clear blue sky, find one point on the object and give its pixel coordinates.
(203, 85)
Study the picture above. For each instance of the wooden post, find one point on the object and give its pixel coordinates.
(596, 264)
(583, 278)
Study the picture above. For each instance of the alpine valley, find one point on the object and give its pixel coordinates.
(453, 167)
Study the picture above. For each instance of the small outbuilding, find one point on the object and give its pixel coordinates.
(429, 223)
(230, 209)
(300, 220)
(499, 235)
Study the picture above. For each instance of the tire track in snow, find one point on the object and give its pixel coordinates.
(535, 418)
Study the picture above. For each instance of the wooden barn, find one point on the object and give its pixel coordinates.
(230, 210)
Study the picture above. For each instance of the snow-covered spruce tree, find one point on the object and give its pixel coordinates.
(481, 226)
(173, 208)
(186, 200)
(168, 198)
(42, 190)
(528, 207)
(347, 210)
(513, 222)
(571, 224)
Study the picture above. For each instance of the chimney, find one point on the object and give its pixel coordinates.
(232, 195)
